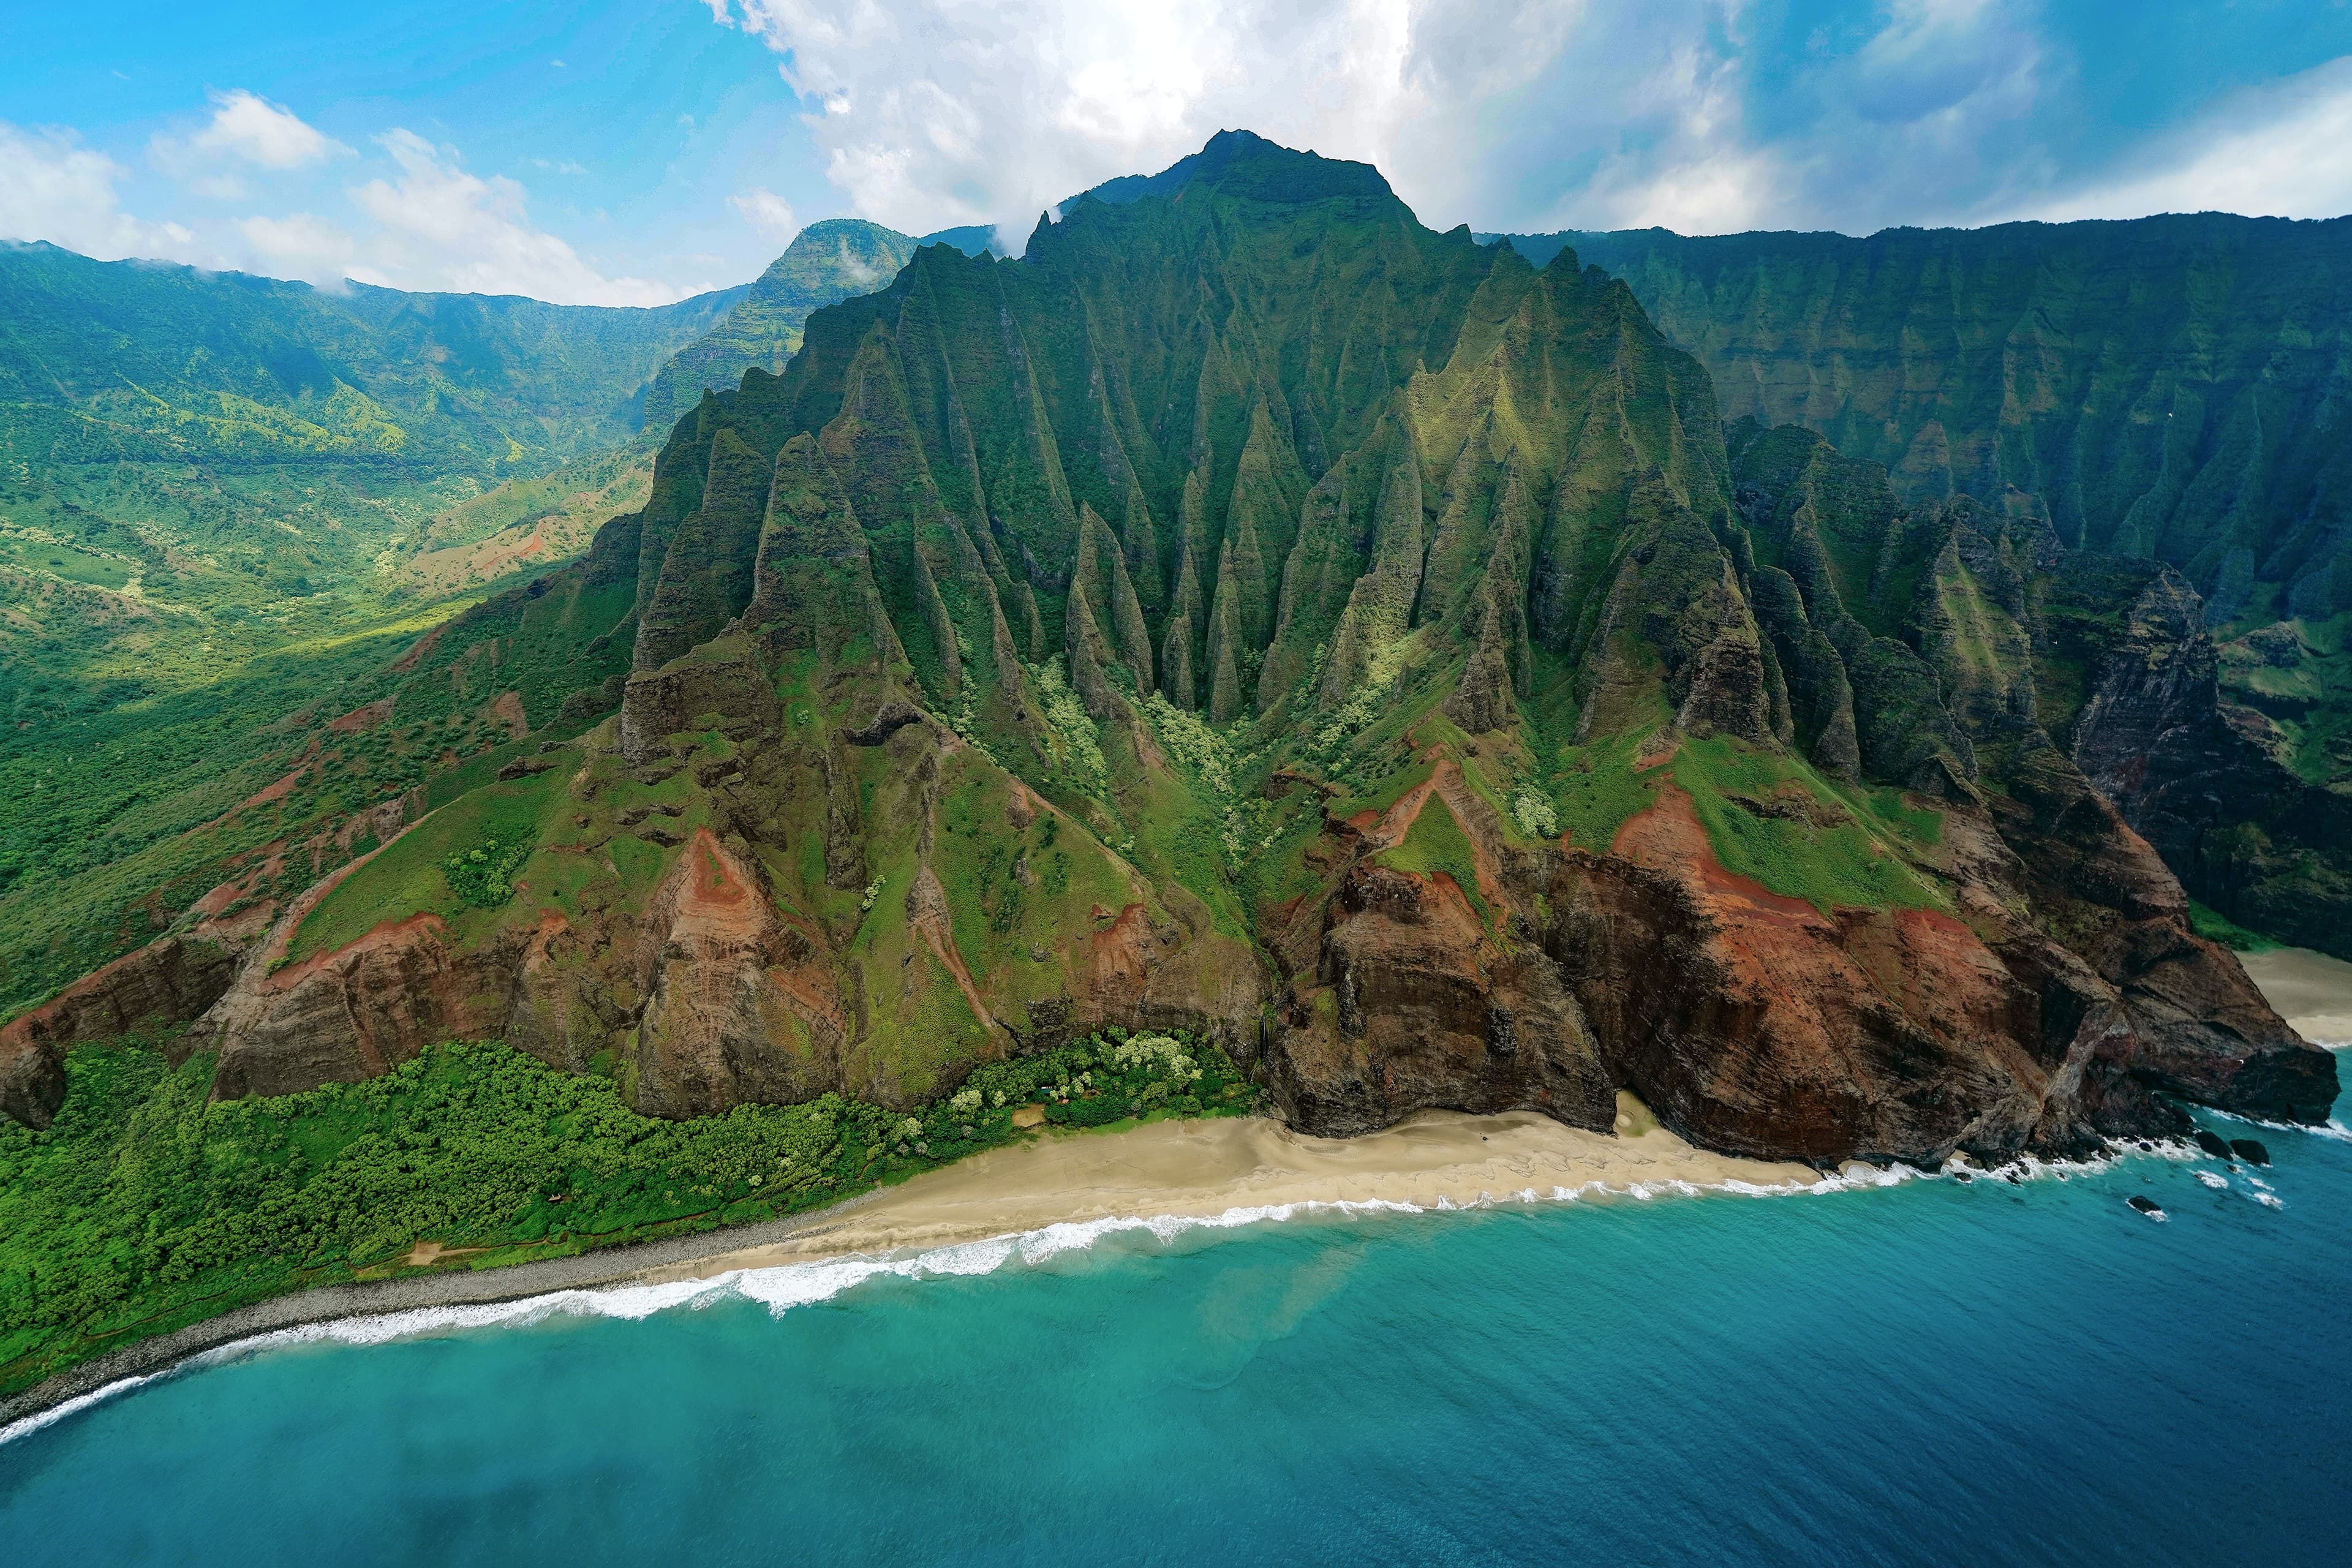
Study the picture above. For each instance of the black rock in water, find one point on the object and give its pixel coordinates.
(2250, 1151)
(2212, 1144)
(2145, 1205)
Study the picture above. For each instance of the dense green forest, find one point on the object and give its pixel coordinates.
(146, 1206)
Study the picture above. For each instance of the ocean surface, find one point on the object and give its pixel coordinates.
(1927, 1372)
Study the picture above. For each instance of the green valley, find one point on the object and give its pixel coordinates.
(227, 502)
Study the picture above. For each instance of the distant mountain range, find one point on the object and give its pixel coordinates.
(111, 361)
(826, 261)
(2173, 389)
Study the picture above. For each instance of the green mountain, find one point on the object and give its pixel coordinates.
(224, 495)
(219, 494)
(826, 261)
(2165, 389)
(1254, 612)
(1251, 615)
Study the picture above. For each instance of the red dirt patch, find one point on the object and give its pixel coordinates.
(1121, 956)
(264, 795)
(386, 934)
(507, 709)
(927, 912)
(1454, 789)
(1388, 830)
(419, 649)
(363, 718)
(1668, 837)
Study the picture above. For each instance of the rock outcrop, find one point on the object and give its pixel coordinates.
(2206, 780)
(165, 983)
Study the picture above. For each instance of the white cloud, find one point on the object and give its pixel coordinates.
(935, 112)
(1506, 113)
(246, 132)
(300, 244)
(432, 226)
(2283, 151)
(768, 213)
(54, 188)
(246, 126)
(440, 228)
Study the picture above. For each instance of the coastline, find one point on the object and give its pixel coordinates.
(1200, 1169)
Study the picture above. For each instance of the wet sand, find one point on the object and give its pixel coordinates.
(2311, 990)
(1205, 1169)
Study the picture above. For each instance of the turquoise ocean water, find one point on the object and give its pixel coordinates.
(1931, 1373)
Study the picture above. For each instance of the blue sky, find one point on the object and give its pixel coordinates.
(629, 153)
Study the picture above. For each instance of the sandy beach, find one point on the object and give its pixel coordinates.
(1204, 1169)
(2311, 990)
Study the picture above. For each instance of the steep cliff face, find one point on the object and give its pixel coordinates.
(170, 982)
(1255, 612)
(2170, 386)
(2205, 780)
(2167, 390)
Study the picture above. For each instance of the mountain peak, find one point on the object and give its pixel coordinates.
(1246, 165)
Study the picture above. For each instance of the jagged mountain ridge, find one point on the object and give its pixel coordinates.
(908, 769)
(2169, 389)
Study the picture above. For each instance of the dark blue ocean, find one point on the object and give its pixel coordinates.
(1927, 1373)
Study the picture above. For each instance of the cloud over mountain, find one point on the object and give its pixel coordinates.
(1702, 115)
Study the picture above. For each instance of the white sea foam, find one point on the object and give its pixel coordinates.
(2329, 1128)
(2211, 1180)
(55, 1413)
